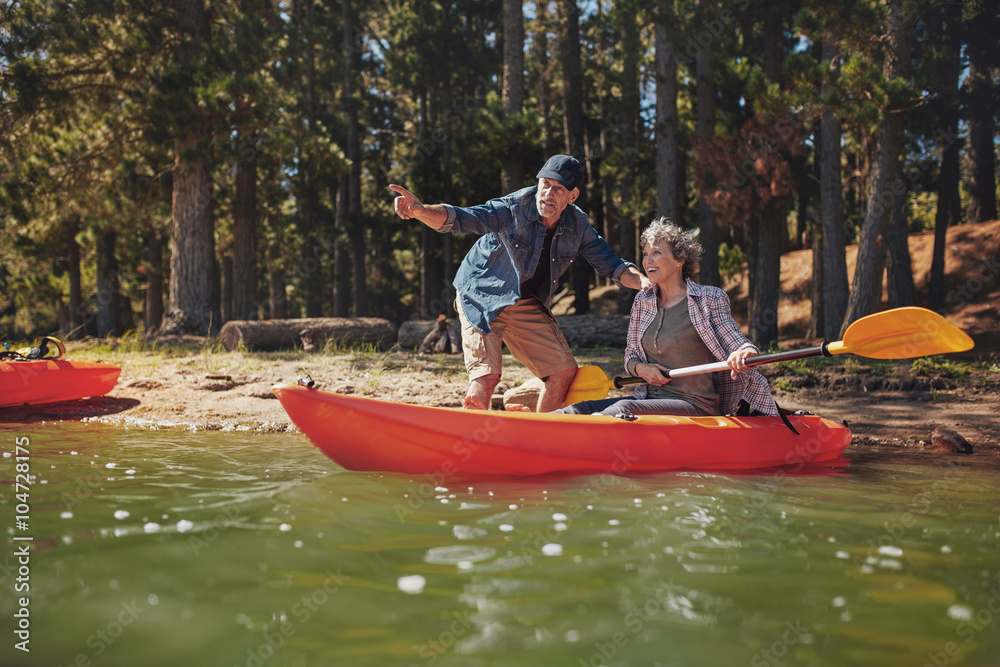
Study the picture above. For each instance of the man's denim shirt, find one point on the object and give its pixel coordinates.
(507, 254)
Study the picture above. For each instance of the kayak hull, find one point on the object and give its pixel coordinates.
(53, 380)
(366, 434)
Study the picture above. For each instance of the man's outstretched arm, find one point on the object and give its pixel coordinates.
(407, 206)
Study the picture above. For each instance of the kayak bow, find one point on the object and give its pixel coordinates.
(53, 380)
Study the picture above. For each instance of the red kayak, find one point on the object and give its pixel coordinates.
(367, 434)
(52, 380)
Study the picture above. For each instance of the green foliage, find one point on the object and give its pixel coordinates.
(96, 95)
(938, 365)
(732, 262)
(922, 210)
(798, 367)
(783, 385)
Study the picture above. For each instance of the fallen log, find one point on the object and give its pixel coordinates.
(580, 331)
(284, 334)
(594, 330)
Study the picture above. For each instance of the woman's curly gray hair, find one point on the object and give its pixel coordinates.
(682, 243)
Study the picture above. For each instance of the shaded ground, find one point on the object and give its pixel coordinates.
(900, 403)
(193, 382)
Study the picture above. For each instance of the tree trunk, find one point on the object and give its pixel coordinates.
(154, 281)
(709, 233)
(630, 118)
(885, 180)
(77, 323)
(667, 150)
(431, 266)
(432, 290)
(226, 298)
(191, 306)
(948, 204)
(772, 234)
(273, 193)
(513, 86)
(244, 288)
(356, 228)
(106, 323)
(540, 47)
(312, 287)
(805, 188)
(982, 50)
(899, 267)
(947, 215)
(831, 194)
(575, 135)
(817, 317)
(277, 300)
(572, 82)
(601, 190)
(342, 256)
(766, 280)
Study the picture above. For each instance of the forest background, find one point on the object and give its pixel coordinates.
(167, 167)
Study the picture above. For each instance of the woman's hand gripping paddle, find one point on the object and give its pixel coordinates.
(900, 333)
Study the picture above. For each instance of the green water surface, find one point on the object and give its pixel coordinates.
(235, 549)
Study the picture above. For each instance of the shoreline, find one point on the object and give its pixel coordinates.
(205, 388)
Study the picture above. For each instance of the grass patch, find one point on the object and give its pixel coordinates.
(335, 346)
(938, 365)
(783, 384)
(799, 367)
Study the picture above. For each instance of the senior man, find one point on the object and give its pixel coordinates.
(528, 239)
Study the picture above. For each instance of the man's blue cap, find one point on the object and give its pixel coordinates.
(564, 169)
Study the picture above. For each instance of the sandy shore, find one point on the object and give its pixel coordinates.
(217, 390)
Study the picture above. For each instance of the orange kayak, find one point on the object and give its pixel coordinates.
(52, 380)
(367, 434)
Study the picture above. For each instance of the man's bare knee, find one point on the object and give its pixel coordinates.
(554, 391)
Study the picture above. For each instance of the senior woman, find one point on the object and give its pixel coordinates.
(676, 322)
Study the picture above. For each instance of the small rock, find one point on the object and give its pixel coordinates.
(947, 440)
(526, 394)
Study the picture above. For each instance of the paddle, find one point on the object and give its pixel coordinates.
(900, 333)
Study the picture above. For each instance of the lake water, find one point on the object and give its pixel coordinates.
(181, 548)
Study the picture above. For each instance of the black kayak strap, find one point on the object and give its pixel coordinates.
(784, 418)
(745, 410)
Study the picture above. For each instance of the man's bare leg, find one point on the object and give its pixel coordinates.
(554, 392)
(480, 392)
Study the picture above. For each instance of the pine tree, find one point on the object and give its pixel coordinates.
(705, 130)
(667, 131)
(513, 86)
(885, 182)
(982, 24)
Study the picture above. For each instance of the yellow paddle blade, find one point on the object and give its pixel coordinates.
(902, 333)
(590, 384)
